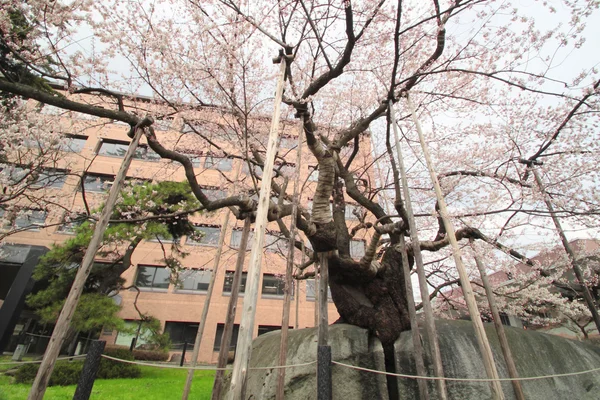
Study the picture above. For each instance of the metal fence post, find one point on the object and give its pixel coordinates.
(90, 370)
(183, 354)
(132, 345)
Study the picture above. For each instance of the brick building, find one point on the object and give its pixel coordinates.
(91, 153)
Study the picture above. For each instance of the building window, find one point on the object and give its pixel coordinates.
(262, 329)
(153, 277)
(214, 193)
(311, 290)
(220, 163)
(276, 243)
(288, 142)
(236, 238)
(351, 212)
(162, 124)
(162, 239)
(194, 159)
(192, 127)
(97, 183)
(255, 168)
(228, 284)
(125, 337)
(132, 181)
(504, 319)
(70, 227)
(273, 242)
(180, 333)
(73, 143)
(286, 170)
(30, 219)
(273, 286)
(16, 175)
(219, 336)
(194, 279)
(2, 214)
(52, 110)
(84, 116)
(113, 148)
(357, 248)
(209, 236)
(226, 133)
(50, 178)
(313, 174)
(145, 153)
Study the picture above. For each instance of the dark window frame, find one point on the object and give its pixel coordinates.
(206, 240)
(224, 164)
(314, 290)
(55, 179)
(228, 283)
(104, 179)
(214, 193)
(144, 153)
(313, 173)
(276, 288)
(353, 253)
(69, 228)
(288, 142)
(219, 335)
(180, 289)
(31, 226)
(153, 285)
(181, 332)
(81, 141)
(124, 145)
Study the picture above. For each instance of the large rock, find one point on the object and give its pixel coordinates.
(349, 344)
(535, 354)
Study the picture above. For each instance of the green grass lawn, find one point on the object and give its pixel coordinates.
(154, 384)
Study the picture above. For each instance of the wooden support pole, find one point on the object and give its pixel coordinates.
(508, 358)
(587, 296)
(231, 311)
(430, 329)
(66, 315)
(244, 345)
(205, 308)
(285, 318)
(208, 298)
(296, 322)
(484, 345)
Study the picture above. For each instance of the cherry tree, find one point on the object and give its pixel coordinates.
(486, 78)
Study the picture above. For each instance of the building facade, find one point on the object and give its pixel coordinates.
(89, 156)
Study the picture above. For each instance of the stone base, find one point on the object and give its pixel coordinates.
(535, 354)
(349, 344)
